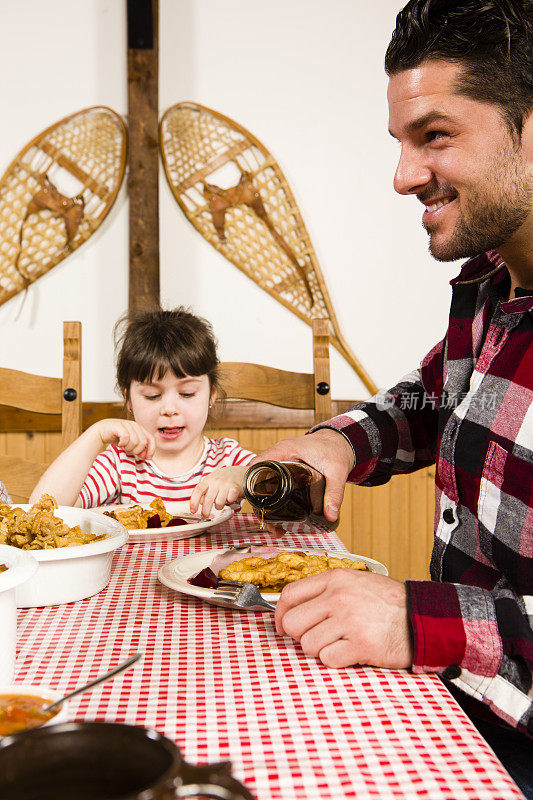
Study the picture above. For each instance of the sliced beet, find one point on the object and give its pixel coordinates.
(175, 521)
(154, 521)
(206, 579)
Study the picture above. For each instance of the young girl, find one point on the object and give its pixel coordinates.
(167, 372)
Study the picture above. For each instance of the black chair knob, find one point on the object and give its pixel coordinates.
(322, 387)
(70, 395)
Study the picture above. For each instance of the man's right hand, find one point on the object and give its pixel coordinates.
(327, 451)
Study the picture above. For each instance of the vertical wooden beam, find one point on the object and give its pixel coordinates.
(143, 103)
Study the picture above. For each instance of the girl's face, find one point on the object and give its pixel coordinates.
(174, 410)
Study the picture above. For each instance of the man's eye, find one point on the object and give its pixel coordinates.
(432, 136)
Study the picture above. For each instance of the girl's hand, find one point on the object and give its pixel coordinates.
(222, 487)
(127, 434)
(65, 476)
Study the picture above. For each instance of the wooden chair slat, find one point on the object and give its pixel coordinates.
(321, 369)
(278, 387)
(246, 381)
(71, 409)
(30, 392)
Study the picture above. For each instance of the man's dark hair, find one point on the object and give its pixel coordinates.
(491, 39)
(151, 342)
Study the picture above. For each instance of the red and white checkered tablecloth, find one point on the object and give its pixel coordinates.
(224, 686)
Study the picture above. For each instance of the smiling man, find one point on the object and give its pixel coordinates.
(461, 106)
(461, 161)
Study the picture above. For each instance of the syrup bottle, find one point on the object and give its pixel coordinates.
(286, 491)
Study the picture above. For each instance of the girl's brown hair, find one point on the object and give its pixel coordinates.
(149, 343)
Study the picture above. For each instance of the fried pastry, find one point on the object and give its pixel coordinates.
(137, 517)
(272, 574)
(38, 528)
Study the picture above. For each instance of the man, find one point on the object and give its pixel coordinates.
(460, 101)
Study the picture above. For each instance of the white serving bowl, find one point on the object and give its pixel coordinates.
(67, 574)
(21, 566)
(39, 691)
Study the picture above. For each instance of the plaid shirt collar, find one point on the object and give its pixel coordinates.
(490, 266)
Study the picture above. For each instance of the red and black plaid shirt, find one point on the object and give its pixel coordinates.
(468, 409)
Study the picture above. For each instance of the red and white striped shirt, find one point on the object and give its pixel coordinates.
(116, 477)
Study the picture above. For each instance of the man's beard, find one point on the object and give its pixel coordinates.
(489, 217)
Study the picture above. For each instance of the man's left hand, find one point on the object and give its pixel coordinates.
(347, 617)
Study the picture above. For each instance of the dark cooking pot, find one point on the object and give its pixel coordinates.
(106, 761)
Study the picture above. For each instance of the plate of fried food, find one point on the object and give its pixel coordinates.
(269, 568)
(159, 521)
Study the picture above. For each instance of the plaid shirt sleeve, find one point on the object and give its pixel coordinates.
(396, 431)
(478, 639)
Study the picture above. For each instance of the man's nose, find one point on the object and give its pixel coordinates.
(412, 173)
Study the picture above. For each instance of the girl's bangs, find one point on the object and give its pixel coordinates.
(181, 365)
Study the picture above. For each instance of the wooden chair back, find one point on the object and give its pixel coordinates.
(22, 392)
(255, 382)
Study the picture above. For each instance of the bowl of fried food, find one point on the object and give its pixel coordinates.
(73, 546)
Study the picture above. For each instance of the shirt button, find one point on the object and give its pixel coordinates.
(448, 516)
(451, 672)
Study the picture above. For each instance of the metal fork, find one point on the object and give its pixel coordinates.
(236, 594)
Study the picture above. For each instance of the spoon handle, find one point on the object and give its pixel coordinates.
(100, 679)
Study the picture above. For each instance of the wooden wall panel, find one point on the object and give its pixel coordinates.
(393, 522)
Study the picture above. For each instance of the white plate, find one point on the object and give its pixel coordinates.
(177, 509)
(176, 573)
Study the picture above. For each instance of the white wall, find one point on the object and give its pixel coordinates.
(306, 77)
